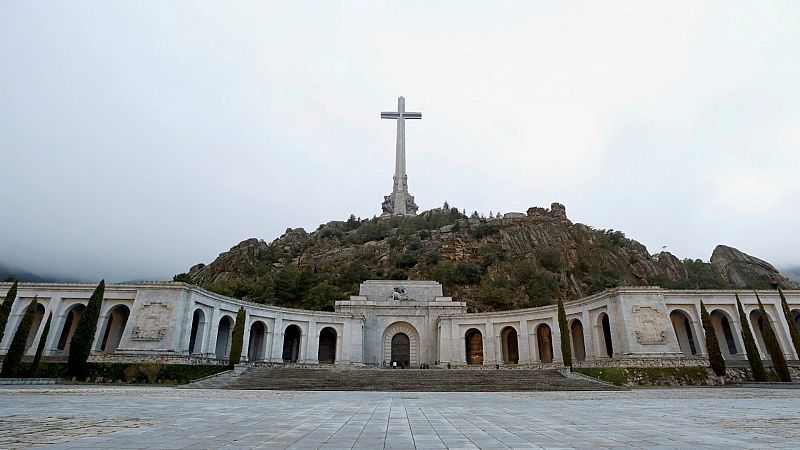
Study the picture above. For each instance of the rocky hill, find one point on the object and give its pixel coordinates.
(513, 261)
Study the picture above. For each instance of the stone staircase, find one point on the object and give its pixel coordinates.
(413, 380)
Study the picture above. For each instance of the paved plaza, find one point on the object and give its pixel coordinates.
(170, 418)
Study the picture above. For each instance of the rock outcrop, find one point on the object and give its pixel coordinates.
(492, 264)
(743, 270)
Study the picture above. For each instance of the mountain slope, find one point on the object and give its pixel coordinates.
(520, 260)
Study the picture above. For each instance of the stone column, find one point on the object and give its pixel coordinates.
(340, 349)
(524, 342)
(312, 356)
(210, 344)
(51, 342)
(277, 340)
(246, 338)
(696, 324)
(269, 338)
(35, 345)
(588, 343)
(14, 318)
(489, 341)
(555, 339)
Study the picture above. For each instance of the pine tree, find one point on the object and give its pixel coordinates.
(5, 309)
(81, 345)
(563, 328)
(715, 359)
(11, 363)
(773, 346)
(793, 331)
(238, 339)
(40, 348)
(753, 357)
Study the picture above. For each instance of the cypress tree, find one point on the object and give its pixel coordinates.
(81, 345)
(40, 348)
(753, 357)
(15, 353)
(773, 346)
(238, 339)
(787, 313)
(5, 309)
(563, 327)
(715, 359)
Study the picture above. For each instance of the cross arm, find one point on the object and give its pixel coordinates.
(390, 115)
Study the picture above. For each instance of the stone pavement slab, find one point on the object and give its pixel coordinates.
(169, 418)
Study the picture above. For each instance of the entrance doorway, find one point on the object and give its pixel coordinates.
(401, 350)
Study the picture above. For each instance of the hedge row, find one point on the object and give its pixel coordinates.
(649, 376)
(149, 373)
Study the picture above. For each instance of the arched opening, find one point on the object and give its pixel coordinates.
(544, 342)
(224, 334)
(257, 343)
(683, 332)
(116, 321)
(327, 346)
(38, 317)
(510, 345)
(757, 324)
(401, 350)
(197, 333)
(68, 329)
(473, 340)
(291, 343)
(606, 344)
(796, 315)
(724, 332)
(578, 346)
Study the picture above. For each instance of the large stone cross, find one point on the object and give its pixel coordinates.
(400, 202)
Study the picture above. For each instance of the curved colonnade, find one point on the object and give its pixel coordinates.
(175, 320)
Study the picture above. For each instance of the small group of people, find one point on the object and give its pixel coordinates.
(394, 364)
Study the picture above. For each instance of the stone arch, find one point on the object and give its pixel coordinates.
(605, 339)
(544, 343)
(291, 343)
(257, 343)
(509, 345)
(578, 345)
(115, 323)
(682, 326)
(197, 332)
(473, 340)
(726, 336)
(38, 317)
(224, 335)
(326, 353)
(71, 319)
(413, 342)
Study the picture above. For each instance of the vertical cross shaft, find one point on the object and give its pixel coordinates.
(400, 196)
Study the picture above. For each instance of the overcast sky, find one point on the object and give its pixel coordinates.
(140, 138)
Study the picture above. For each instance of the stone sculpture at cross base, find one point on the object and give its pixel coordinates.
(400, 202)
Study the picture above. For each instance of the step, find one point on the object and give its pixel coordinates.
(341, 379)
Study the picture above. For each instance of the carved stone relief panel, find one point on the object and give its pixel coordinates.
(649, 329)
(152, 323)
